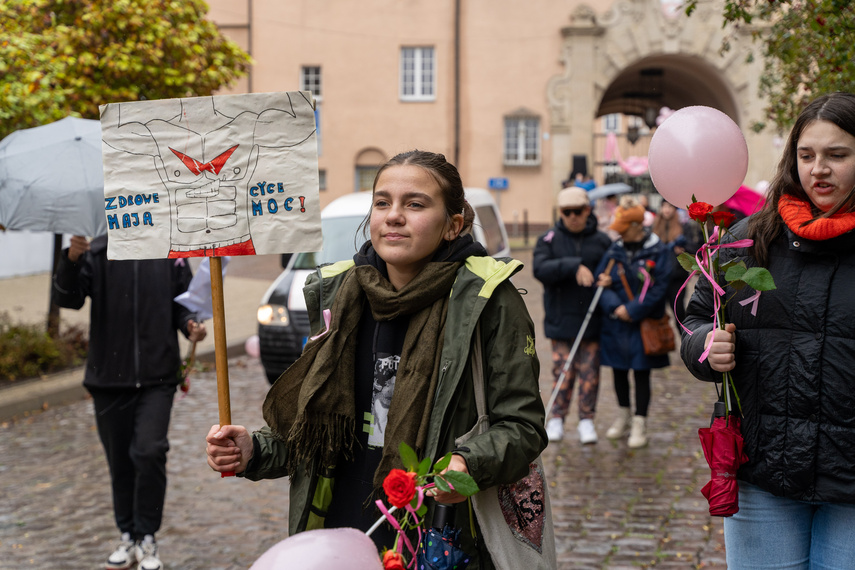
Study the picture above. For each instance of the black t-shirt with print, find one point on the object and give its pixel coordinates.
(378, 351)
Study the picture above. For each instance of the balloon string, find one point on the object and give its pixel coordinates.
(386, 514)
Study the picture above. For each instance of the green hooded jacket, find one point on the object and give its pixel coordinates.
(516, 437)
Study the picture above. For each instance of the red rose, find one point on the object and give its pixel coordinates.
(392, 560)
(723, 219)
(699, 211)
(400, 487)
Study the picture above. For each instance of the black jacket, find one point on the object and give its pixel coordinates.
(795, 367)
(557, 256)
(133, 318)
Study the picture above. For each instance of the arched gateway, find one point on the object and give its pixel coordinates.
(641, 55)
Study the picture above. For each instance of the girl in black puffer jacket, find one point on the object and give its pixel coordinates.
(793, 361)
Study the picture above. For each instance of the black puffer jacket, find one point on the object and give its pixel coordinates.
(795, 367)
(132, 338)
(557, 256)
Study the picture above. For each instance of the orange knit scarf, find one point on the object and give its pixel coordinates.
(796, 212)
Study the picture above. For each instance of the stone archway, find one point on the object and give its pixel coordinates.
(603, 55)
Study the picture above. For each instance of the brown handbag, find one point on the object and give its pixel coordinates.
(657, 335)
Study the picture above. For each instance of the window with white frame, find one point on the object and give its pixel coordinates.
(522, 141)
(310, 80)
(418, 73)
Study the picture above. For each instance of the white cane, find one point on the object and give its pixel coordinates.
(569, 362)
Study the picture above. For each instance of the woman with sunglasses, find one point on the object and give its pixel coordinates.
(564, 260)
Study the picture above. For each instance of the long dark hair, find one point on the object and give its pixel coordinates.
(767, 224)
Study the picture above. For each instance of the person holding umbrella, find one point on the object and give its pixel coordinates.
(564, 260)
(790, 353)
(132, 373)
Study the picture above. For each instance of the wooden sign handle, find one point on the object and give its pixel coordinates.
(220, 345)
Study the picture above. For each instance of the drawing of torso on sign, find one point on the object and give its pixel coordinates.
(236, 175)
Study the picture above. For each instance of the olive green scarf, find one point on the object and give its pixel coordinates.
(311, 406)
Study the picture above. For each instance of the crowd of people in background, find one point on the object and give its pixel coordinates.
(626, 248)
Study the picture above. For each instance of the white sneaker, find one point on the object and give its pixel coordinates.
(124, 556)
(587, 431)
(147, 554)
(555, 429)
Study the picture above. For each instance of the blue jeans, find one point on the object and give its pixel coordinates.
(776, 532)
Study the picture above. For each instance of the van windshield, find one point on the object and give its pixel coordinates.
(340, 242)
(494, 242)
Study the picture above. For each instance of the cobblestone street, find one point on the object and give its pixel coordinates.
(614, 508)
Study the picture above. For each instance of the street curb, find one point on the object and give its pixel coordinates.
(38, 394)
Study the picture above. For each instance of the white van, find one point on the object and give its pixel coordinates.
(283, 322)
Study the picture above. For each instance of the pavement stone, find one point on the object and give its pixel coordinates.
(613, 507)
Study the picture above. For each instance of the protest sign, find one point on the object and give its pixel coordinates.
(211, 176)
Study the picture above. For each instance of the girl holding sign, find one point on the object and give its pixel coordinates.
(389, 363)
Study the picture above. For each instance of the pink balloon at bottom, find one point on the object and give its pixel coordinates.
(322, 549)
(252, 346)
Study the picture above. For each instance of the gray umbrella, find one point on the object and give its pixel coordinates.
(51, 179)
(609, 190)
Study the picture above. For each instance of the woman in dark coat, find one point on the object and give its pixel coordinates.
(794, 358)
(645, 262)
(563, 260)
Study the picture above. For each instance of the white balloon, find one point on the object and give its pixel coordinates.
(322, 549)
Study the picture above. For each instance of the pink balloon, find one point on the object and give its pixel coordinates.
(697, 150)
(322, 549)
(252, 346)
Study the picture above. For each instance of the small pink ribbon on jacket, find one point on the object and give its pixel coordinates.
(327, 319)
(647, 280)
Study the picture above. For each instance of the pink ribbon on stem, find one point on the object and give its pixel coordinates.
(702, 257)
(420, 490)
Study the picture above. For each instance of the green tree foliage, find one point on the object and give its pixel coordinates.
(67, 57)
(808, 49)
